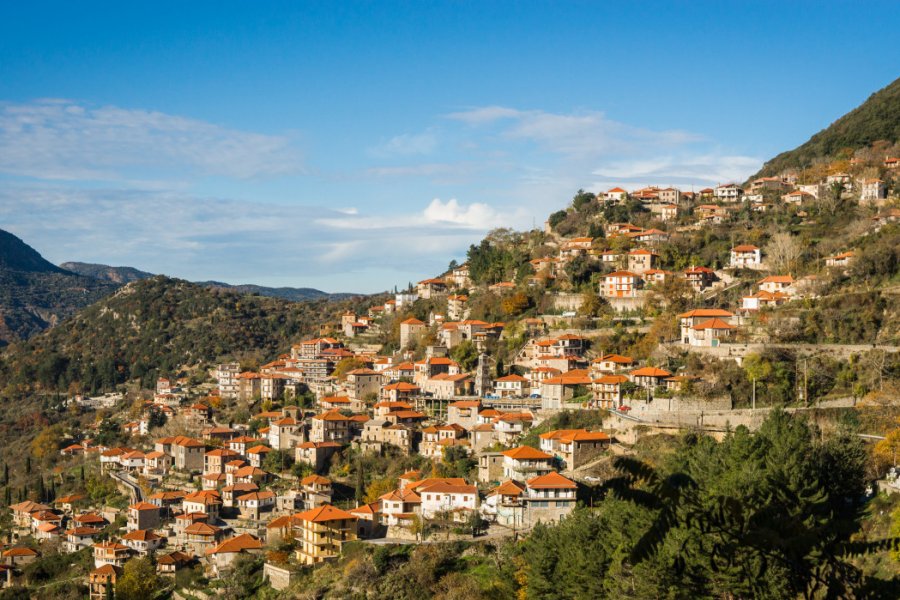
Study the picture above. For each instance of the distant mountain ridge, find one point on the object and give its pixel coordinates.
(876, 119)
(155, 325)
(120, 275)
(16, 255)
(285, 293)
(123, 275)
(36, 294)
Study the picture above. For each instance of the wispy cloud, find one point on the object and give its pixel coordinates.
(238, 241)
(678, 169)
(407, 144)
(62, 139)
(485, 114)
(110, 184)
(580, 134)
(421, 170)
(437, 215)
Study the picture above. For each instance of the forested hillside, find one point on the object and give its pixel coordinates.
(154, 326)
(877, 119)
(35, 294)
(120, 275)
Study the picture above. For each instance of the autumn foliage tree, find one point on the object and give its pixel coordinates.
(516, 304)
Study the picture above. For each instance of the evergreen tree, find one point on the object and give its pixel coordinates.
(360, 491)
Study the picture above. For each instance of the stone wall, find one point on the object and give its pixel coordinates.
(279, 578)
(627, 304)
(568, 301)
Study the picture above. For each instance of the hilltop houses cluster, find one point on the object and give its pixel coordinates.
(214, 497)
(217, 487)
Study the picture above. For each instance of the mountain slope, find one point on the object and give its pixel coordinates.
(16, 255)
(35, 294)
(156, 325)
(878, 118)
(285, 293)
(123, 275)
(120, 275)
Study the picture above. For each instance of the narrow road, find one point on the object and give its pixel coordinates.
(135, 490)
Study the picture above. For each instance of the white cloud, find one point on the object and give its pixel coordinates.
(475, 216)
(242, 242)
(581, 134)
(437, 216)
(407, 144)
(421, 170)
(703, 169)
(62, 139)
(485, 114)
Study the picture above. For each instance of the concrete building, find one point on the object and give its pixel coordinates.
(322, 532)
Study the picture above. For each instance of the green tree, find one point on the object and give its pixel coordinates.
(139, 580)
(346, 365)
(466, 354)
(766, 515)
(278, 461)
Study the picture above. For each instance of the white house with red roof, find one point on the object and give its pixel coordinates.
(842, 259)
(730, 192)
(777, 283)
(693, 317)
(525, 462)
(710, 333)
(611, 363)
(872, 190)
(448, 496)
(549, 497)
(621, 284)
(616, 194)
(745, 256)
(505, 504)
(511, 386)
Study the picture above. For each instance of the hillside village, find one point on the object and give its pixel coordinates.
(488, 398)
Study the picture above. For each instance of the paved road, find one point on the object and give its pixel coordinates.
(136, 494)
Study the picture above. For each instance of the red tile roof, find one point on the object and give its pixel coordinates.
(526, 453)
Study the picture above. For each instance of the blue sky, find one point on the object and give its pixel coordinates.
(355, 146)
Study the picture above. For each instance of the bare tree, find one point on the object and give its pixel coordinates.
(830, 198)
(783, 252)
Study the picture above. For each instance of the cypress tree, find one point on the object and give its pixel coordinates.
(360, 485)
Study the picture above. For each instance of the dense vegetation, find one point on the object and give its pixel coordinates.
(765, 515)
(120, 275)
(35, 294)
(780, 513)
(123, 275)
(155, 326)
(878, 118)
